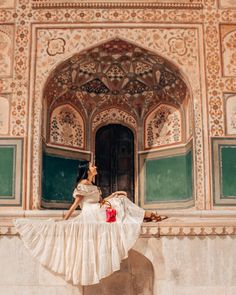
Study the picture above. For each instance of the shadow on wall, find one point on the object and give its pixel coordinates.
(136, 277)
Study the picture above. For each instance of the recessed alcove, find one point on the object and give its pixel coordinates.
(118, 82)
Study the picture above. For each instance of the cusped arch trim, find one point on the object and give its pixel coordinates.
(50, 110)
(113, 115)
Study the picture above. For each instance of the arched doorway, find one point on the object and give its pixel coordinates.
(114, 152)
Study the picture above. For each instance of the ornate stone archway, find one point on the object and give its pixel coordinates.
(115, 73)
(134, 109)
(117, 82)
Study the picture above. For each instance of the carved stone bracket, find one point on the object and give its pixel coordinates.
(188, 230)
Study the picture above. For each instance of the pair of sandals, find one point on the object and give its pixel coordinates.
(154, 217)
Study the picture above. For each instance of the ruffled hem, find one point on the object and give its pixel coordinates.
(83, 253)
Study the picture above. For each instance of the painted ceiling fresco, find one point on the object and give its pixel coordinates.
(115, 73)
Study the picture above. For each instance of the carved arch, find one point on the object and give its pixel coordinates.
(113, 115)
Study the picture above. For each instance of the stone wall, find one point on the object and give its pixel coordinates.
(171, 265)
(189, 253)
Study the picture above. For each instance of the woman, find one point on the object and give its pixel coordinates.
(86, 248)
(86, 173)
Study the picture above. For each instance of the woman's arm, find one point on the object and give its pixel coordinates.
(73, 206)
(117, 193)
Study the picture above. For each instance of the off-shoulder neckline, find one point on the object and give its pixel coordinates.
(86, 184)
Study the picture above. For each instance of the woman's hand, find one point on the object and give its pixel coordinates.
(116, 194)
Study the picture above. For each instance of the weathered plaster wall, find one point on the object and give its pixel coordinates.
(181, 266)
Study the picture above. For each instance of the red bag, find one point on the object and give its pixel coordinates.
(110, 212)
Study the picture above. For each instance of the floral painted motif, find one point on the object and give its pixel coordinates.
(113, 115)
(178, 46)
(163, 126)
(67, 127)
(230, 113)
(4, 115)
(229, 54)
(56, 46)
(6, 48)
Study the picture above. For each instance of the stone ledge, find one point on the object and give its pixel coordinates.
(183, 214)
(179, 223)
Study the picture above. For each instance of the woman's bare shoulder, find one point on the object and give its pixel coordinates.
(84, 181)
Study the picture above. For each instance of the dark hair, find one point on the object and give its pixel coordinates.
(82, 172)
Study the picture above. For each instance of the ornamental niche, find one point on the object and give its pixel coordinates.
(120, 83)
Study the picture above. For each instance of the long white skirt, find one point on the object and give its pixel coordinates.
(84, 249)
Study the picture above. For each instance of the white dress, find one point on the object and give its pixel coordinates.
(86, 248)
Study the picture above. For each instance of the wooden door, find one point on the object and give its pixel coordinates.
(114, 152)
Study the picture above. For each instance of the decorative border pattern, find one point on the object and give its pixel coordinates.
(44, 4)
(186, 229)
(16, 199)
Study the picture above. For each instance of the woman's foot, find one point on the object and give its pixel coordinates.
(153, 217)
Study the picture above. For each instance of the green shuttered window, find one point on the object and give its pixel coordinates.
(169, 179)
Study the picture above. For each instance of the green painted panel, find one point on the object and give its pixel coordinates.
(7, 162)
(59, 176)
(189, 173)
(228, 171)
(169, 179)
